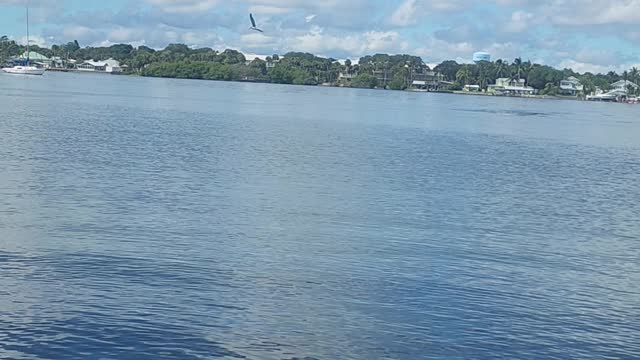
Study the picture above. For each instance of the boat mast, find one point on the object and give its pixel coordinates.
(28, 33)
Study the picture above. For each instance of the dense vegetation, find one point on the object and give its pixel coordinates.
(541, 77)
(381, 70)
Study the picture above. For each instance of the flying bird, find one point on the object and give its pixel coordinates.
(253, 24)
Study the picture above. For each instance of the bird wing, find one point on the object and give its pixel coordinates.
(253, 22)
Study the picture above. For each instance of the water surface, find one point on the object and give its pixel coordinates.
(170, 219)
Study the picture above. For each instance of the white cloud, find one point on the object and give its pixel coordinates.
(405, 15)
(257, 40)
(76, 32)
(319, 42)
(411, 11)
(121, 35)
(519, 22)
(33, 40)
(288, 6)
(592, 12)
(583, 67)
(184, 6)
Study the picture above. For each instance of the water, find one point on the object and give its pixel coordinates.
(167, 219)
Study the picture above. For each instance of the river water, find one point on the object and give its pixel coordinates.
(172, 219)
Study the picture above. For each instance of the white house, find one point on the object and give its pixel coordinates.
(571, 86)
(624, 85)
(346, 76)
(513, 87)
(110, 66)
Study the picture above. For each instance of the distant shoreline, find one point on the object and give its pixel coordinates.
(450, 92)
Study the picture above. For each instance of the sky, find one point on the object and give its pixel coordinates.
(586, 35)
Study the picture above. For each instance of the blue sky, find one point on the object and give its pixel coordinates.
(587, 35)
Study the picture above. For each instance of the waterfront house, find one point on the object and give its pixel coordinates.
(383, 77)
(624, 86)
(571, 86)
(109, 66)
(427, 80)
(57, 63)
(511, 87)
(471, 88)
(346, 76)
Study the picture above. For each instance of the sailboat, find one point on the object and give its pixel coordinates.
(25, 69)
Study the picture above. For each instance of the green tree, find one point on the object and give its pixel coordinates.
(501, 69)
(303, 77)
(232, 57)
(540, 76)
(259, 65)
(516, 69)
(550, 89)
(365, 81)
(634, 75)
(449, 69)
(72, 46)
(463, 76)
(398, 82)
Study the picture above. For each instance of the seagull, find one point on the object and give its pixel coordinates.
(253, 24)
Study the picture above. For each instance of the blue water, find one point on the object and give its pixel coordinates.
(168, 219)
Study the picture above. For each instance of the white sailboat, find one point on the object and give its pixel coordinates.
(25, 69)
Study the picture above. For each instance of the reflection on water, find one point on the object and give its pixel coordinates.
(163, 219)
(514, 112)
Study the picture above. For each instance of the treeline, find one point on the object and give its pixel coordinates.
(381, 70)
(542, 77)
(293, 68)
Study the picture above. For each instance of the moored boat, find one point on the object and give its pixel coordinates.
(25, 69)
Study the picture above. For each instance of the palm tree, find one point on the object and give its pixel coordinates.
(550, 89)
(463, 75)
(483, 79)
(526, 69)
(484, 71)
(4, 41)
(516, 70)
(501, 69)
(634, 74)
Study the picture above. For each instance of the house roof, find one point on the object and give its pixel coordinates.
(624, 83)
(34, 56)
(104, 63)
